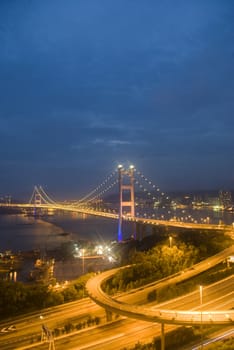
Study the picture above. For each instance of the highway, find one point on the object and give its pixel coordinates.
(30, 325)
(127, 332)
(162, 315)
(117, 334)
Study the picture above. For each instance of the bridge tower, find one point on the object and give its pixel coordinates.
(126, 195)
(36, 196)
(36, 200)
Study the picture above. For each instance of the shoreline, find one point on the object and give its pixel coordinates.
(20, 233)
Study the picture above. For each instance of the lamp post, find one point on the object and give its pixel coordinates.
(46, 335)
(201, 295)
(170, 241)
(83, 260)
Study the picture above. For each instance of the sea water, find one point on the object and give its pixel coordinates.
(23, 233)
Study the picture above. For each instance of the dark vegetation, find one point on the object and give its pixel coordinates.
(227, 344)
(18, 298)
(153, 258)
(208, 242)
(175, 290)
(158, 262)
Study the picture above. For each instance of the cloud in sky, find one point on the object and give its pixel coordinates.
(86, 84)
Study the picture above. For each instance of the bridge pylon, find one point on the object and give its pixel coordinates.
(126, 195)
(36, 198)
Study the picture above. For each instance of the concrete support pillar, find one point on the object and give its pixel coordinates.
(133, 229)
(138, 231)
(108, 315)
(162, 337)
(141, 230)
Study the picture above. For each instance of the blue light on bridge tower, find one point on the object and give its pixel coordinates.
(127, 187)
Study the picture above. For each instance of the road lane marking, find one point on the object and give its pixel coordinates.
(106, 340)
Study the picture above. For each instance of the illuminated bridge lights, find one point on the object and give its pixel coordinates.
(40, 199)
(173, 222)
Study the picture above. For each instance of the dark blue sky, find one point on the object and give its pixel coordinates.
(86, 84)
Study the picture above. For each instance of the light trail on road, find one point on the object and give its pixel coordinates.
(159, 315)
(128, 331)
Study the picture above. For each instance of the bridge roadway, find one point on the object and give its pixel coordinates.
(178, 317)
(150, 221)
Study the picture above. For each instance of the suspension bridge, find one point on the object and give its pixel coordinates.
(139, 201)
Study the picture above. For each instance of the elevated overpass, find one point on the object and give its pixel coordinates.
(159, 314)
(209, 317)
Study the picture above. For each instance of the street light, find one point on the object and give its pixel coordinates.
(46, 335)
(83, 260)
(201, 291)
(170, 241)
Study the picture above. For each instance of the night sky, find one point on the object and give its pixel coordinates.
(88, 84)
